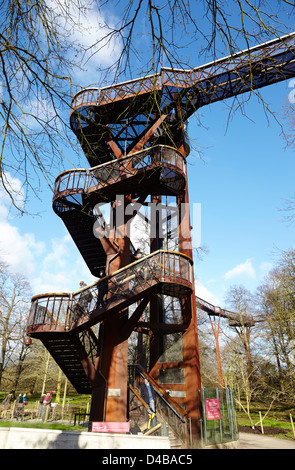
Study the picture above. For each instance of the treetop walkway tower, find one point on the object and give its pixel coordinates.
(134, 137)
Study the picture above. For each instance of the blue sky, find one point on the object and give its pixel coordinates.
(241, 182)
(246, 176)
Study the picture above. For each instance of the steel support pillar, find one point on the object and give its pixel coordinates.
(109, 400)
(190, 364)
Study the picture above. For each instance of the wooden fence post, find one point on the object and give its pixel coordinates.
(291, 419)
(13, 409)
(261, 424)
(47, 409)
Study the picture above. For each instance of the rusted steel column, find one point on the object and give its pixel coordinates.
(215, 329)
(155, 304)
(190, 364)
(112, 363)
(191, 360)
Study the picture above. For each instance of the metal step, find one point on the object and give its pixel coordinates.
(80, 227)
(65, 353)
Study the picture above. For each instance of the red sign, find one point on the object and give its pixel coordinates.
(212, 408)
(110, 427)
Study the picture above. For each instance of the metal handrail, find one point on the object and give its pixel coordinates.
(181, 77)
(237, 318)
(172, 403)
(176, 417)
(64, 310)
(95, 178)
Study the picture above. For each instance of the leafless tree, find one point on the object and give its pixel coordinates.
(156, 33)
(277, 302)
(14, 301)
(41, 48)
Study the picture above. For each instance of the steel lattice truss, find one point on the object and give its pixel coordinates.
(126, 112)
(134, 137)
(234, 318)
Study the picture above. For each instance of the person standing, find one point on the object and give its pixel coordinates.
(148, 395)
(46, 404)
(85, 298)
(25, 399)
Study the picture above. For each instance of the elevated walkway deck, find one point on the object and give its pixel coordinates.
(62, 321)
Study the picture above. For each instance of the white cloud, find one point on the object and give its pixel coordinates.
(12, 186)
(205, 294)
(243, 270)
(265, 267)
(52, 265)
(62, 269)
(86, 27)
(59, 255)
(35, 112)
(17, 250)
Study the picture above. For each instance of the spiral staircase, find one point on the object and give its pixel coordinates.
(63, 322)
(134, 137)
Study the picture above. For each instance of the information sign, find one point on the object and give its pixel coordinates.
(212, 408)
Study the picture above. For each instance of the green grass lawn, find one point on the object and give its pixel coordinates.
(41, 425)
(72, 401)
(278, 417)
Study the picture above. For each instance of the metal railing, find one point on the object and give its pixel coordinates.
(64, 311)
(102, 176)
(87, 95)
(75, 180)
(49, 310)
(188, 78)
(167, 410)
(234, 318)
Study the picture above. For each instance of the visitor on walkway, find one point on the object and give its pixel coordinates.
(148, 394)
(85, 299)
